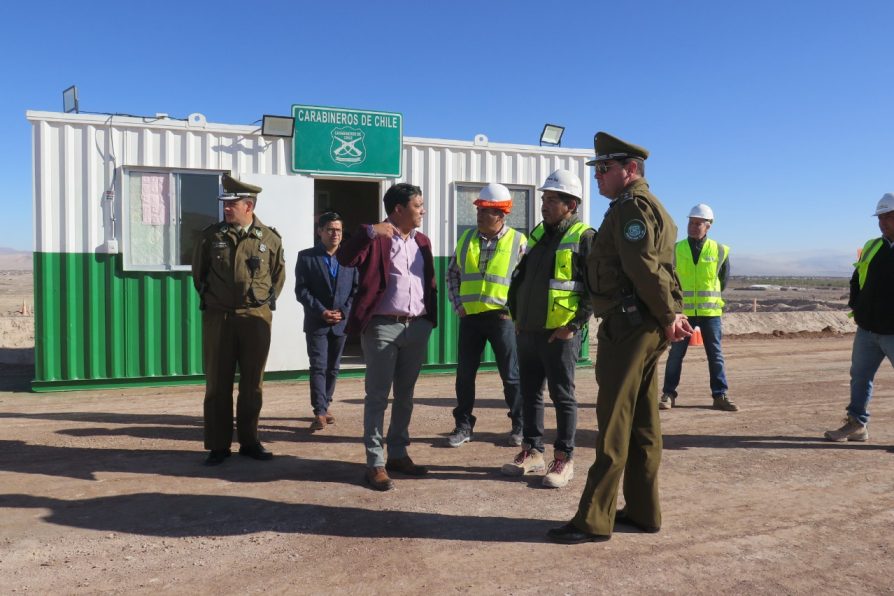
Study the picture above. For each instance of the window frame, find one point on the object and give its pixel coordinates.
(176, 213)
(528, 189)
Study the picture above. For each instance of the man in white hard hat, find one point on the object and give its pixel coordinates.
(872, 301)
(548, 303)
(703, 268)
(478, 283)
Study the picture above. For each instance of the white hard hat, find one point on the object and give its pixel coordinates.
(702, 211)
(565, 182)
(495, 196)
(885, 205)
(495, 192)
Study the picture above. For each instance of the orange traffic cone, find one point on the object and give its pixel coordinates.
(696, 338)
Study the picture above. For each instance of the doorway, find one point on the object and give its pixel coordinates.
(357, 202)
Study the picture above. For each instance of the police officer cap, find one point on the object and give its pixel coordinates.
(610, 147)
(235, 189)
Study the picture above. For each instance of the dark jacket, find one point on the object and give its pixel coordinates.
(529, 289)
(316, 291)
(873, 304)
(372, 258)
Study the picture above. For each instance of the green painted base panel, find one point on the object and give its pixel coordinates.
(98, 326)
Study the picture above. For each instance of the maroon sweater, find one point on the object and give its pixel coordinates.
(372, 258)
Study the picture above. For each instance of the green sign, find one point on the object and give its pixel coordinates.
(347, 142)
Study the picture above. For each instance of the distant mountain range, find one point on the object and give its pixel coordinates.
(15, 260)
(811, 263)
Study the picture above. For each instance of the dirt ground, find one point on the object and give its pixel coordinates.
(104, 492)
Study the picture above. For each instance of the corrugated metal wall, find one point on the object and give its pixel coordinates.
(436, 165)
(77, 158)
(96, 322)
(82, 154)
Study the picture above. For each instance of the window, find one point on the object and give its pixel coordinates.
(467, 213)
(164, 214)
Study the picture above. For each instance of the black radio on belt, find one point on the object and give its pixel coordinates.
(630, 307)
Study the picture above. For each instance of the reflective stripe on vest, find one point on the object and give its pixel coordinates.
(480, 292)
(565, 290)
(701, 297)
(862, 264)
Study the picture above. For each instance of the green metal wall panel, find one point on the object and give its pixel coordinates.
(97, 325)
(96, 322)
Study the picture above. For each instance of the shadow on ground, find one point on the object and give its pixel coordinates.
(157, 514)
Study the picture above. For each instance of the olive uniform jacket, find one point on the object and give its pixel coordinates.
(241, 275)
(633, 253)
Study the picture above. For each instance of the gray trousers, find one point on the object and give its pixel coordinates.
(394, 353)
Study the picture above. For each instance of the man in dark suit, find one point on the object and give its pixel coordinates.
(325, 289)
(394, 313)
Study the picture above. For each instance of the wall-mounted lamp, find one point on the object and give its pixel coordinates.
(552, 134)
(70, 100)
(278, 126)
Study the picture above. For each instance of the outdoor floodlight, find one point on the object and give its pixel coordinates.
(70, 100)
(278, 126)
(552, 134)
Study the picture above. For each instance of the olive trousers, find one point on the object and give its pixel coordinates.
(629, 439)
(229, 339)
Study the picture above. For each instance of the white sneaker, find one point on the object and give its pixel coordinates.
(528, 461)
(851, 431)
(666, 401)
(559, 472)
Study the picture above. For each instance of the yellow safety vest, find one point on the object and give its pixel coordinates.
(565, 290)
(480, 292)
(862, 264)
(701, 282)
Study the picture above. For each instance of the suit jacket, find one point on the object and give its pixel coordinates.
(316, 292)
(372, 257)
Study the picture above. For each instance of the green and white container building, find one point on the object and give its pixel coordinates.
(118, 201)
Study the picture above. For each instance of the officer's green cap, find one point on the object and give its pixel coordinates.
(610, 147)
(235, 189)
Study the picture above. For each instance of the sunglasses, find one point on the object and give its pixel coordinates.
(602, 167)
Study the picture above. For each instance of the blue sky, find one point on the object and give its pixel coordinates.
(777, 114)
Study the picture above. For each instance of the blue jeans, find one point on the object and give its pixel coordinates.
(540, 360)
(394, 354)
(867, 355)
(474, 333)
(324, 351)
(711, 334)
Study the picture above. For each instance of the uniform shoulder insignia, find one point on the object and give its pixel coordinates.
(278, 235)
(634, 230)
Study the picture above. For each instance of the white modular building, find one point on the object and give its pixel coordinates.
(119, 201)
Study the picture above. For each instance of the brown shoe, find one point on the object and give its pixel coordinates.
(319, 423)
(405, 465)
(378, 479)
(330, 419)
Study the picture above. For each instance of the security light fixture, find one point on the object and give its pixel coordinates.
(70, 100)
(552, 134)
(278, 126)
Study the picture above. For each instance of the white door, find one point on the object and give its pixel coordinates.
(287, 204)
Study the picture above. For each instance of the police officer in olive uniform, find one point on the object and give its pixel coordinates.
(636, 293)
(238, 270)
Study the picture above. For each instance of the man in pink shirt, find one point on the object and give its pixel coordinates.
(395, 310)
